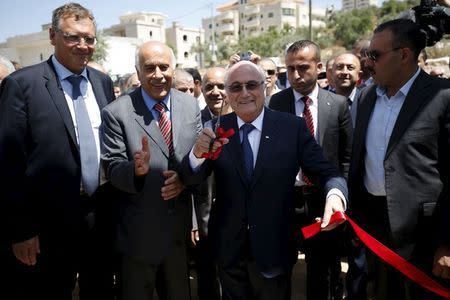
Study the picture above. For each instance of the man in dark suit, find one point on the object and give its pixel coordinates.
(251, 227)
(332, 129)
(399, 174)
(146, 134)
(49, 153)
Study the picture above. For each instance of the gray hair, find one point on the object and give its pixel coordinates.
(71, 10)
(261, 72)
(7, 64)
(182, 75)
(172, 55)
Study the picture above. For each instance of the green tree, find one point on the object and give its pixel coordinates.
(390, 9)
(99, 55)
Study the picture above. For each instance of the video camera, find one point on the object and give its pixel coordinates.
(433, 19)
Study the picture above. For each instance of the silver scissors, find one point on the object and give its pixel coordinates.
(216, 126)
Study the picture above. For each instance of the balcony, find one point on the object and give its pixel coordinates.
(251, 10)
(227, 16)
(226, 28)
(251, 22)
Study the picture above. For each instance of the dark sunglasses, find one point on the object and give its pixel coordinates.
(375, 55)
(270, 72)
(76, 40)
(249, 86)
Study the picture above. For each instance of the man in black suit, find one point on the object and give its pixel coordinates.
(399, 173)
(146, 134)
(332, 129)
(49, 153)
(251, 227)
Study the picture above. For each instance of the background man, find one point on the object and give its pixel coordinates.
(146, 134)
(345, 73)
(251, 227)
(198, 86)
(269, 66)
(329, 121)
(184, 82)
(400, 167)
(49, 153)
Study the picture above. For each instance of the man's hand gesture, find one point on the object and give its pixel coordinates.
(142, 159)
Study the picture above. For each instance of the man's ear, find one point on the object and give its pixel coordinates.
(52, 35)
(319, 67)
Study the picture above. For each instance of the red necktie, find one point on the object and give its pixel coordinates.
(310, 124)
(165, 126)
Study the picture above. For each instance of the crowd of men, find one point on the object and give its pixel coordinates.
(116, 188)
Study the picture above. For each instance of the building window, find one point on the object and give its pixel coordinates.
(270, 15)
(153, 20)
(41, 56)
(262, 29)
(198, 39)
(184, 38)
(262, 16)
(150, 33)
(210, 26)
(288, 11)
(186, 55)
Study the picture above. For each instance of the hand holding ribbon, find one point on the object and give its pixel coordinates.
(203, 148)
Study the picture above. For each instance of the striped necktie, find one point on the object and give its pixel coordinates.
(310, 124)
(165, 126)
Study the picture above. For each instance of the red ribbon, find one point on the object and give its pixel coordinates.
(221, 133)
(384, 253)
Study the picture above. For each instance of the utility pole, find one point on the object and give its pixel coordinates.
(310, 20)
(213, 41)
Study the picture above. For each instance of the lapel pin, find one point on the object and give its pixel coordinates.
(267, 137)
(328, 103)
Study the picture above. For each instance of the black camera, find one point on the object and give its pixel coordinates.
(245, 55)
(433, 19)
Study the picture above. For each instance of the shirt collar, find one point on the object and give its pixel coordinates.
(256, 122)
(151, 102)
(313, 95)
(63, 72)
(352, 94)
(404, 89)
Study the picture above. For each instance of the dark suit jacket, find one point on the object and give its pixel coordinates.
(149, 226)
(41, 173)
(334, 122)
(416, 164)
(263, 212)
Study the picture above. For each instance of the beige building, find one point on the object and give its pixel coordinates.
(246, 18)
(122, 40)
(357, 4)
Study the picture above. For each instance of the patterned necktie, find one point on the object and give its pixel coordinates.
(86, 139)
(165, 126)
(247, 150)
(310, 124)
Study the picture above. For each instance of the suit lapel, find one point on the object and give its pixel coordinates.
(290, 104)
(59, 99)
(97, 87)
(323, 113)
(176, 116)
(266, 144)
(364, 110)
(233, 148)
(417, 97)
(145, 119)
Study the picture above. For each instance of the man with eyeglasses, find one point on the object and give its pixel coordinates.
(328, 119)
(399, 173)
(251, 228)
(269, 66)
(50, 177)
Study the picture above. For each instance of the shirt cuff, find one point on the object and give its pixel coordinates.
(338, 193)
(194, 162)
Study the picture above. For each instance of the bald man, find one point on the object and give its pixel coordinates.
(145, 136)
(184, 82)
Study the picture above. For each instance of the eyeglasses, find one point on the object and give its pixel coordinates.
(76, 40)
(249, 86)
(270, 72)
(375, 55)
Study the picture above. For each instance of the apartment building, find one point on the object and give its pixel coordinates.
(357, 4)
(248, 18)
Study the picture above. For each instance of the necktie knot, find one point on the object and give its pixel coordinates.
(75, 81)
(247, 128)
(306, 100)
(160, 107)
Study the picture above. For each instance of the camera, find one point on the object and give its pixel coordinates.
(433, 19)
(245, 55)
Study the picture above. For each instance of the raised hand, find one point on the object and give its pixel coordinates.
(204, 140)
(142, 159)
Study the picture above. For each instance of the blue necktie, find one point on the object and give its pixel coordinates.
(88, 148)
(247, 150)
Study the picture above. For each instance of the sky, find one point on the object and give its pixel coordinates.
(27, 16)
